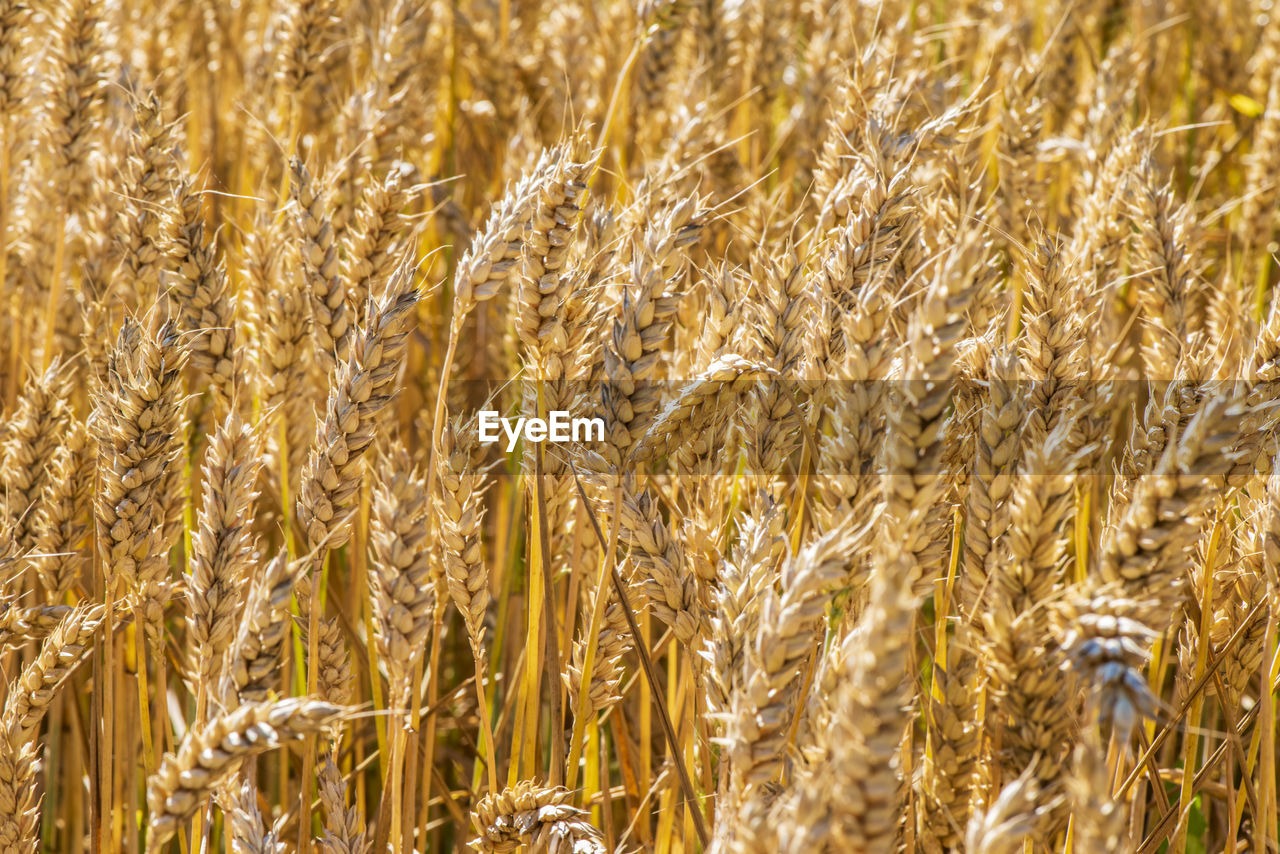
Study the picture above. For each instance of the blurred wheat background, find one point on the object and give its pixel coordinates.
(936, 351)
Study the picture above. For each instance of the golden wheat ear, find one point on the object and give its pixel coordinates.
(209, 755)
(248, 832)
(539, 816)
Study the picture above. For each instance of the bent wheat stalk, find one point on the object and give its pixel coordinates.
(209, 755)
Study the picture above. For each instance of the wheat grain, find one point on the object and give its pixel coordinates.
(936, 347)
(363, 386)
(537, 816)
(249, 835)
(222, 545)
(210, 755)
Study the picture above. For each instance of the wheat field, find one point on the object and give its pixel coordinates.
(930, 370)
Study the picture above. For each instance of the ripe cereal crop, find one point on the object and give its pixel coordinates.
(670, 426)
